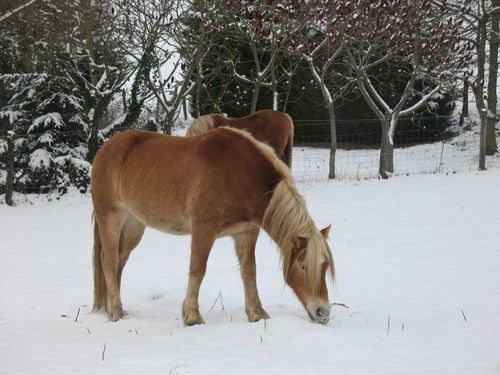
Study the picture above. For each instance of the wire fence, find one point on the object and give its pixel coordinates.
(420, 150)
(417, 150)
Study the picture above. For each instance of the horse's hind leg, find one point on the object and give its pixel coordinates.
(245, 249)
(201, 244)
(130, 237)
(110, 225)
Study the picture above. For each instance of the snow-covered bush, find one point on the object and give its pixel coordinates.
(44, 118)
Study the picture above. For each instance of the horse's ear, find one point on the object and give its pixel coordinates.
(325, 231)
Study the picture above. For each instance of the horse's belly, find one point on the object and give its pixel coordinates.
(170, 226)
(164, 220)
(237, 228)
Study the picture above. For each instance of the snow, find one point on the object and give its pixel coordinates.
(40, 158)
(417, 262)
(52, 119)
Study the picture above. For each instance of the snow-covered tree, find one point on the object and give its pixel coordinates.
(480, 28)
(44, 122)
(416, 38)
(43, 143)
(93, 60)
(260, 35)
(322, 46)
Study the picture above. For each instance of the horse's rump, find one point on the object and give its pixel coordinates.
(268, 126)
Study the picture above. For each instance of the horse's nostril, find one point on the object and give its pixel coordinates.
(322, 312)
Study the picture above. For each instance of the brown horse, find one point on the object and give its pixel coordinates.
(268, 126)
(221, 183)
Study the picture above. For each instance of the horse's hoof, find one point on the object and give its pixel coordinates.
(254, 315)
(116, 315)
(194, 320)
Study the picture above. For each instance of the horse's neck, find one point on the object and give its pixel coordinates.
(286, 216)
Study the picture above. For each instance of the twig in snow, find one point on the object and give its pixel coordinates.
(219, 296)
(464, 315)
(340, 304)
(103, 351)
(77, 315)
(402, 327)
(261, 339)
(265, 324)
(388, 324)
(88, 330)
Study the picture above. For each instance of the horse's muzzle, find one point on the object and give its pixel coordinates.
(319, 314)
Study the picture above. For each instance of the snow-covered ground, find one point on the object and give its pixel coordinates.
(417, 292)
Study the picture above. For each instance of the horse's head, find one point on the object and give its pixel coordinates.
(305, 272)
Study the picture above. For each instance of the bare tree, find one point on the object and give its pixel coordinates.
(480, 25)
(164, 57)
(491, 142)
(321, 45)
(413, 40)
(270, 31)
(93, 61)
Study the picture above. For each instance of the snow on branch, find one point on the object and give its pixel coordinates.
(421, 102)
(10, 13)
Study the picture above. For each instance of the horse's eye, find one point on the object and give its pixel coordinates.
(303, 267)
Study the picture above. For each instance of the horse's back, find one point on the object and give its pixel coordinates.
(165, 181)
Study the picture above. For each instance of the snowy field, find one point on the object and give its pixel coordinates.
(417, 292)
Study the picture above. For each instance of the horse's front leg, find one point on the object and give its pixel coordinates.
(245, 249)
(201, 244)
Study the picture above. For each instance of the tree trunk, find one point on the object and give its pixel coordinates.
(9, 182)
(465, 102)
(287, 95)
(255, 96)
(386, 165)
(478, 89)
(93, 144)
(491, 142)
(98, 122)
(124, 100)
(333, 140)
(169, 120)
(274, 89)
(482, 140)
(197, 112)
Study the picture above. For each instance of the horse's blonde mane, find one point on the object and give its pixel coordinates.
(287, 217)
(200, 125)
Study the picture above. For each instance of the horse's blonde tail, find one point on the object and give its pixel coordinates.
(99, 281)
(201, 125)
(287, 152)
